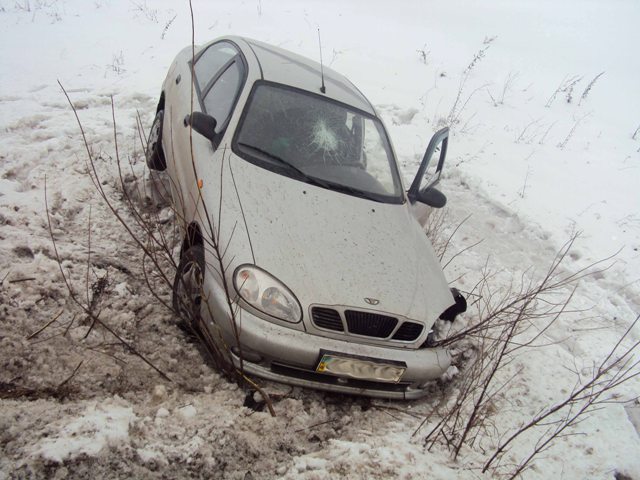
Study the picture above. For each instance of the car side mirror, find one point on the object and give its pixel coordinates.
(433, 197)
(204, 124)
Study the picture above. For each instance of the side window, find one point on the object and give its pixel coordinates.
(211, 61)
(219, 99)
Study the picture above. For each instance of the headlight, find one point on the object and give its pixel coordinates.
(262, 291)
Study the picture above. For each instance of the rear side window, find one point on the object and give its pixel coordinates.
(211, 61)
(219, 100)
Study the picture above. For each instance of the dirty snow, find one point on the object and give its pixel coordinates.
(530, 165)
(95, 428)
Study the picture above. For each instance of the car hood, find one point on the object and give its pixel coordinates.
(331, 248)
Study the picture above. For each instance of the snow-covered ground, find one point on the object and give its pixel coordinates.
(532, 164)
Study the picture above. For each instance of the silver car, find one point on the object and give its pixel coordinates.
(296, 219)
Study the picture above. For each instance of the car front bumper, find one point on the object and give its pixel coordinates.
(290, 356)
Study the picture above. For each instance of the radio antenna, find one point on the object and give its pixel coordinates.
(322, 88)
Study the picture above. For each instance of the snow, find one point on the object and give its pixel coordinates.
(530, 168)
(96, 427)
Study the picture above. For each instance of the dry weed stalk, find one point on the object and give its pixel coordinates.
(453, 118)
(586, 91)
(523, 137)
(506, 86)
(544, 136)
(566, 86)
(563, 143)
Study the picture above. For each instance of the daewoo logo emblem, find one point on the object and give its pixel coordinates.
(372, 301)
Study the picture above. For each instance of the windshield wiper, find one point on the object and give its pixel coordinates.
(354, 191)
(309, 179)
(290, 166)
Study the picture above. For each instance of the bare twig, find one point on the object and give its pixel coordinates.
(584, 398)
(85, 308)
(75, 370)
(332, 420)
(20, 280)
(40, 330)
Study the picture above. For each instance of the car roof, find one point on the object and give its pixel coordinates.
(288, 68)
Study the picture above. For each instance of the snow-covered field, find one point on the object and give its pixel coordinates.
(532, 159)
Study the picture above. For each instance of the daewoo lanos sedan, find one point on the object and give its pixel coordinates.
(289, 167)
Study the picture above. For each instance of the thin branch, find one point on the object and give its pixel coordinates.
(40, 330)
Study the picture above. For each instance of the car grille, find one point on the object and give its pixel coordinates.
(408, 331)
(368, 324)
(327, 318)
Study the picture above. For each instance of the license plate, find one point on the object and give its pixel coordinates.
(360, 368)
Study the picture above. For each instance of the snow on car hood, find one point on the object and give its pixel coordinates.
(331, 248)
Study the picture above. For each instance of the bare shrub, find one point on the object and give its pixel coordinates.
(507, 322)
(156, 249)
(588, 395)
(146, 243)
(503, 317)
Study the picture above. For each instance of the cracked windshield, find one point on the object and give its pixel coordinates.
(318, 141)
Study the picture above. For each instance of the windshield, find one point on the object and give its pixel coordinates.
(318, 141)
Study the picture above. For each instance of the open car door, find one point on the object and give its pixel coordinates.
(423, 194)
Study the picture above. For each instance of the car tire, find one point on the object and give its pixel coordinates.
(187, 287)
(155, 153)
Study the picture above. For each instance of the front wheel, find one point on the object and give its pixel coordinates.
(187, 287)
(155, 153)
